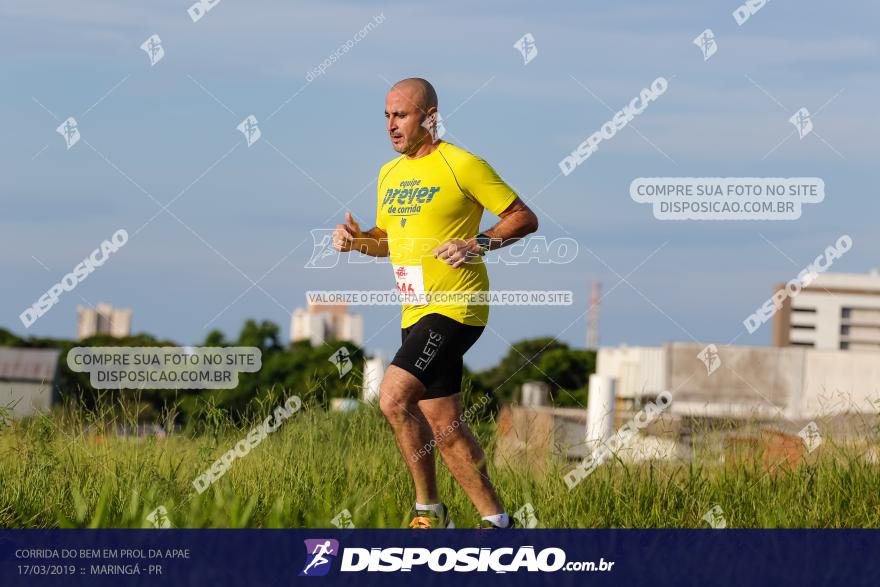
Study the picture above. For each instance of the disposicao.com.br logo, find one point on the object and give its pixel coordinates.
(442, 560)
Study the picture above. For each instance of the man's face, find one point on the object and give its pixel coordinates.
(405, 117)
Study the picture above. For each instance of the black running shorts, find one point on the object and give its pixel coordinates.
(432, 350)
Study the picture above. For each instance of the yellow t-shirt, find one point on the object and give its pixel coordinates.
(424, 202)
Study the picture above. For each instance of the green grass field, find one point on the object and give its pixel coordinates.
(318, 464)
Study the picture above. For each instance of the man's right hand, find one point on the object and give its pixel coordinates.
(345, 234)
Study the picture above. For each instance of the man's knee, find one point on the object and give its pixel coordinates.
(398, 394)
(393, 404)
(389, 406)
(446, 432)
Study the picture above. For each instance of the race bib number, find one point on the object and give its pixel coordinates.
(410, 282)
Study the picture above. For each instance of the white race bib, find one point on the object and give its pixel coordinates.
(410, 281)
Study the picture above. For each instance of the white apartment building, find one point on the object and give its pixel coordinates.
(836, 311)
(103, 319)
(320, 323)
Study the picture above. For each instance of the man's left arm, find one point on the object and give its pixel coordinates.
(516, 222)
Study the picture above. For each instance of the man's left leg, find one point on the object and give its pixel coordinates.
(461, 452)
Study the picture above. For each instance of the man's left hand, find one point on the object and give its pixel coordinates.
(457, 252)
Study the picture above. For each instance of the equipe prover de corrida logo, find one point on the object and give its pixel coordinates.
(321, 552)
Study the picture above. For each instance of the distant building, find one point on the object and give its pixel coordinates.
(27, 380)
(836, 311)
(103, 319)
(374, 371)
(320, 323)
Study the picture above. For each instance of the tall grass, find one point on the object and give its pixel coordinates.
(71, 469)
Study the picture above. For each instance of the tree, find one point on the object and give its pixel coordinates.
(263, 336)
(9, 339)
(215, 338)
(299, 369)
(546, 359)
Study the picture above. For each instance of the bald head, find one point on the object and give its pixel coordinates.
(411, 111)
(419, 91)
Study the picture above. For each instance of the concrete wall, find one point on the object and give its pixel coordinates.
(29, 398)
(840, 381)
(531, 438)
(757, 381)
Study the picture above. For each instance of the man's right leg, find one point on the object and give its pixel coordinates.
(399, 396)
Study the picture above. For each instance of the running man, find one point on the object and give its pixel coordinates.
(429, 207)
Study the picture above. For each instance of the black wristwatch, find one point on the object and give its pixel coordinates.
(484, 242)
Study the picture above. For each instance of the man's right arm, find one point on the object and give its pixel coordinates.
(349, 237)
(374, 243)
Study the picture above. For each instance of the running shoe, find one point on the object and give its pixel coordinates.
(487, 525)
(428, 519)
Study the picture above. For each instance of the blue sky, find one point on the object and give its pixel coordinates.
(154, 132)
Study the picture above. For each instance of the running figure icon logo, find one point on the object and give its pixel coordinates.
(250, 128)
(434, 125)
(318, 551)
(68, 129)
(710, 357)
(527, 47)
(802, 121)
(342, 361)
(706, 43)
(153, 48)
